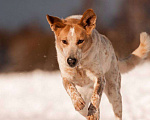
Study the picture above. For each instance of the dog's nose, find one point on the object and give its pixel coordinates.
(71, 61)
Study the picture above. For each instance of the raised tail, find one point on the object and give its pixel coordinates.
(137, 56)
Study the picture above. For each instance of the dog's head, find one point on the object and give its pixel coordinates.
(73, 35)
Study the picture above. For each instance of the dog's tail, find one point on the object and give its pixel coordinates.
(137, 56)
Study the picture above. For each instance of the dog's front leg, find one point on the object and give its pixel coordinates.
(76, 98)
(93, 110)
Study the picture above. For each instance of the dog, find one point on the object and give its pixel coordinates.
(88, 63)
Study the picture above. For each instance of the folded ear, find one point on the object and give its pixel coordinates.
(88, 20)
(55, 23)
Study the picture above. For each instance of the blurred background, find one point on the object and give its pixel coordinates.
(27, 54)
(27, 43)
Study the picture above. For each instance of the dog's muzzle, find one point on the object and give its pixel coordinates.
(72, 61)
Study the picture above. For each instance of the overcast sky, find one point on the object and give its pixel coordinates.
(15, 13)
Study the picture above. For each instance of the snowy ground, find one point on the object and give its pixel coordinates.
(40, 96)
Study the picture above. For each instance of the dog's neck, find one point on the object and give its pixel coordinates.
(95, 39)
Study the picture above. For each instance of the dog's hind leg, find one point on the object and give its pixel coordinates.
(112, 91)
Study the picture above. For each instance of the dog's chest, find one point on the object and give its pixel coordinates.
(81, 78)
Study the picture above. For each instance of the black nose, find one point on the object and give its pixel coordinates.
(71, 61)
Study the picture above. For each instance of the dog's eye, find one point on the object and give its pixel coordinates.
(64, 42)
(80, 41)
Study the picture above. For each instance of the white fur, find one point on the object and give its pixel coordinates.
(75, 16)
(72, 31)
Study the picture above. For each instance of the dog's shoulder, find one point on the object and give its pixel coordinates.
(105, 40)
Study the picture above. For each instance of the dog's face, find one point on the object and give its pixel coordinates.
(73, 36)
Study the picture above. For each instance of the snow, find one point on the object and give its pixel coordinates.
(40, 95)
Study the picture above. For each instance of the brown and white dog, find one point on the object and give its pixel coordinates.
(88, 63)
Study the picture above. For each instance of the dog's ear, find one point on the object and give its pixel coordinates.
(88, 20)
(55, 23)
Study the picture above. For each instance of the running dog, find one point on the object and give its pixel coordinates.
(88, 63)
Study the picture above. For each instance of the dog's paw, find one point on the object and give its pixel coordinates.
(93, 113)
(79, 104)
(93, 117)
